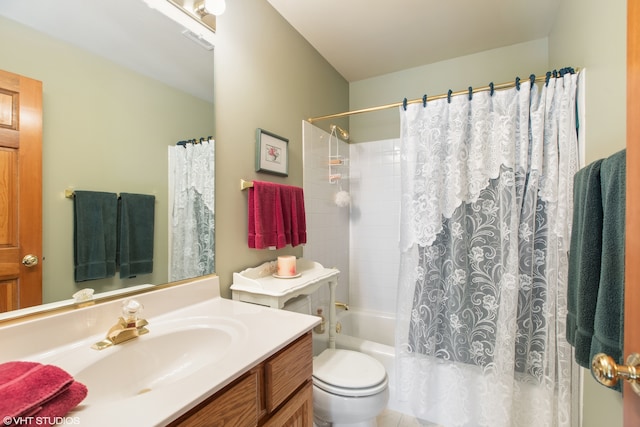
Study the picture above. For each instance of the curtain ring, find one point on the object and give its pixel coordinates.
(532, 78)
(424, 100)
(449, 96)
(404, 104)
(470, 93)
(491, 87)
(548, 77)
(518, 83)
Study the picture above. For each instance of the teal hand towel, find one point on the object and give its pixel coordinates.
(609, 316)
(585, 254)
(94, 229)
(135, 230)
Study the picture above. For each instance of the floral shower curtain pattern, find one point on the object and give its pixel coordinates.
(485, 229)
(191, 210)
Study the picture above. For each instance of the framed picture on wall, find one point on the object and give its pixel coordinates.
(272, 153)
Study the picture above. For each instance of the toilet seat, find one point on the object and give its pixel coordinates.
(348, 373)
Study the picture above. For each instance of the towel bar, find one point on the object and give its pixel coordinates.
(69, 193)
(244, 184)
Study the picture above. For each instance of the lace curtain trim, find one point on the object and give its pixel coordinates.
(450, 151)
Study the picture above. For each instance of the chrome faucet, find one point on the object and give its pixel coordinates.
(129, 326)
(342, 305)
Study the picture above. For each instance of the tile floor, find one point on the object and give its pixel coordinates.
(396, 419)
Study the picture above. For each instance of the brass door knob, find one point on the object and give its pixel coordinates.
(30, 260)
(608, 372)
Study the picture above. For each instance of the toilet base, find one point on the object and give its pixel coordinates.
(330, 410)
(370, 423)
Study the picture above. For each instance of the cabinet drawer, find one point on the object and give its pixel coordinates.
(235, 406)
(288, 370)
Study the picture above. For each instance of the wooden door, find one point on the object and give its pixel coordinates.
(20, 191)
(631, 401)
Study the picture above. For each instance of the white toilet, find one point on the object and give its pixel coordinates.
(349, 388)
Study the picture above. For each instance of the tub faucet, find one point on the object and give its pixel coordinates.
(342, 305)
(129, 326)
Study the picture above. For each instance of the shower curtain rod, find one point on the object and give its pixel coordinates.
(424, 99)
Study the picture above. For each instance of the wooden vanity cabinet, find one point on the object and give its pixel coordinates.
(276, 393)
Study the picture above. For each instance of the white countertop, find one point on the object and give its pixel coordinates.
(264, 332)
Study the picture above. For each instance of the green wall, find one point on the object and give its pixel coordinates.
(496, 65)
(266, 76)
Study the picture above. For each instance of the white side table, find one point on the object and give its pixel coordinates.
(258, 286)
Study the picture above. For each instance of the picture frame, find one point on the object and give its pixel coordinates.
(272, 153)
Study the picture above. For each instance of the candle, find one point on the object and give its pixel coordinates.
(287, 265)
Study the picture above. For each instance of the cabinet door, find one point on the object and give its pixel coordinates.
(297, 412)
(235, 406)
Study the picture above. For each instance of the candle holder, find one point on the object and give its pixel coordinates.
(286, 267)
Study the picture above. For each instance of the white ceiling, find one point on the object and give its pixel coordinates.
(367, 38)
(127, 32)
(360, 38)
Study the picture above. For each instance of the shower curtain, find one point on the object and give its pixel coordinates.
(191, 210)
(486, 209)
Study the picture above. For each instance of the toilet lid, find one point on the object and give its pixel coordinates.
(347, 372)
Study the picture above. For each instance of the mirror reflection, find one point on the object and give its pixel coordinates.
(115, 96)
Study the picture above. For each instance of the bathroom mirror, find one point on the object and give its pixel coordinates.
(121, 83)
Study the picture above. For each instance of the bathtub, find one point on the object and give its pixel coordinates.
(367, 332)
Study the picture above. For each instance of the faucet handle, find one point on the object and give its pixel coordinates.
(131, 309)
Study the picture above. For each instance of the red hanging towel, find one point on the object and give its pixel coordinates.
(265, 216)
(276, 216)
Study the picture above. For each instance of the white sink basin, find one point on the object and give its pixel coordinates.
(164, 356)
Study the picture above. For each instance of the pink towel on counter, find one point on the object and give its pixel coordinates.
(276, 216)
(30, 389)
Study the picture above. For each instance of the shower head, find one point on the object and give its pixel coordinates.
(343, 133)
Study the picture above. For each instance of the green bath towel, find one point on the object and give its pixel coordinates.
(135, 230)
(585, 256)
(596, 261)
(94, 229)
(608, 334)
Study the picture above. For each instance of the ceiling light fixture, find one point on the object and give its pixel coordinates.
(199, 26)
(210, 7)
